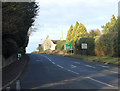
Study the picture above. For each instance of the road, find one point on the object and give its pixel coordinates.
(58, 72)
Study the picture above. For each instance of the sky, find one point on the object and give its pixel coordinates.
(55, 17)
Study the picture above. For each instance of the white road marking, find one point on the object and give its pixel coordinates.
(100, 82)
(7, 88)
(104, 66)
(60, 66)
(73, 66)
(85, 77)
(53, 62)
(111, 71)
(90, 66)
(48, 59)
(77, 62)
(18, 85)
(73, 71)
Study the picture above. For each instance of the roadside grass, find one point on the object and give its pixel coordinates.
(105, 60)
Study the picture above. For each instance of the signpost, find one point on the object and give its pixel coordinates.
(19, 56)
(84, 45)
(84, 48)
(68, 47)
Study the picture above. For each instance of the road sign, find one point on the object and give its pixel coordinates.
(84, 45)
(19, 56)
(68, 47)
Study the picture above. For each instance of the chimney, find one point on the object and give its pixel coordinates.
(48, 37)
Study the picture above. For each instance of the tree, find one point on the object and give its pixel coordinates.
(17, 18)
(74, 30)
(60, 45)
(109, 26)
(69, 35)
(40, 48)
(97, 32)
(80, 32)
(92, 33)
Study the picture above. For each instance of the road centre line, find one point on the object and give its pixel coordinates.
(87, 77)
(90, 66)
(100, 82)
(48, 59)
(73, 66)
(72, 71)
(53, 62)
(59, 66)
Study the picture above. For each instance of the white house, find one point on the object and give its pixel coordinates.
(49, 44)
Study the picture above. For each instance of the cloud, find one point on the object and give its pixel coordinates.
(71, 3)
(94, 27)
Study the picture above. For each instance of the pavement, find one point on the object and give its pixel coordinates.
(58, 72)
(12, 72)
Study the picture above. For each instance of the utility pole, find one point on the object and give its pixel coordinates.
(62, 35)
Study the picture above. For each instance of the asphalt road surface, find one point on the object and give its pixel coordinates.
(58, 72)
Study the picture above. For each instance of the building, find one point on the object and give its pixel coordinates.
(49, 44)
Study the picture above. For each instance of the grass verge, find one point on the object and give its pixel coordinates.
(105, 60)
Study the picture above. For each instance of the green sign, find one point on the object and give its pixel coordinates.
(68, 47)
(19, 54)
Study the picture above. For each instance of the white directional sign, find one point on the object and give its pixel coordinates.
(84, 45)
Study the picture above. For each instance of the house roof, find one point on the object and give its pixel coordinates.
(40, 45)
(55, 41)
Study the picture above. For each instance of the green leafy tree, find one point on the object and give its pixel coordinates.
(80, 31)
(92, 33)
(69, 35)
(74, 30)
(17, 18)
(60, 45)
(97, 32)
(109, 26)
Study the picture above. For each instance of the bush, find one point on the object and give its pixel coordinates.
(48, 51)
(90, 46)
(107, 45)
(60, 45)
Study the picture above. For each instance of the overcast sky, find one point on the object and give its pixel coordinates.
(56, 16)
